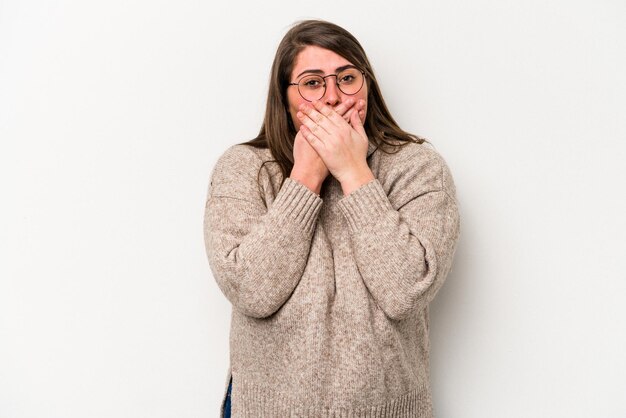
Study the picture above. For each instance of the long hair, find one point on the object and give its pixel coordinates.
(278, 132)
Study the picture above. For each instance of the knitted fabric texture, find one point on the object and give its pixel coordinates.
(330, 293)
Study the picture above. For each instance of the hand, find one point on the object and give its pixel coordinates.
(342, 146)
(345, 109)
(309, 169)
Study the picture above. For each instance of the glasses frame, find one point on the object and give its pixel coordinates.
(336, 82)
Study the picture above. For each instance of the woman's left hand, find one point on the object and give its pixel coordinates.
(341, 145)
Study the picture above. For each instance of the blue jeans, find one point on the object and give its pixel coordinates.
(227, 402)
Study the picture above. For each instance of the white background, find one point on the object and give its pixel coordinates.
(113, 113)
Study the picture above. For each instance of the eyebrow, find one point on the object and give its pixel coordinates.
(337, 70)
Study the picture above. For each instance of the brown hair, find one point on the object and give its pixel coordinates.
(277, 132)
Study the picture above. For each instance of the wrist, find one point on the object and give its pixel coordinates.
(356, 180)
(312, 181)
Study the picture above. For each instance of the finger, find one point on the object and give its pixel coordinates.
(357, 124)
(360, 108)
(312, 124)
(346, 116)
(312, 139)
(344, 107)
(328, 112)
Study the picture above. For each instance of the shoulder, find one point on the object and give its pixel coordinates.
(241, 161)
(240, 171)
(417, 165)
(235, 161)
(234, 173)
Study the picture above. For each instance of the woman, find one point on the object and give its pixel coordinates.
(329, 233)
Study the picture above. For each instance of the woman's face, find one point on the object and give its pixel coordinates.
(316, 60)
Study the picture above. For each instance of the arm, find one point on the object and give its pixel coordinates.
(257, 254)
(404, 243)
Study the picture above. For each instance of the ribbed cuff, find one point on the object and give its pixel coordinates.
(298, 202)
(365, 205)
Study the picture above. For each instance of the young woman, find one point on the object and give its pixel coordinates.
(330, 233)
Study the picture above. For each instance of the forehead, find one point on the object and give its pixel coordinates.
(316, 58)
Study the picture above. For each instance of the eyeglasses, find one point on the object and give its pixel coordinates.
(313, 87)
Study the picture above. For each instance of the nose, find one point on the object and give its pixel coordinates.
(331, 96)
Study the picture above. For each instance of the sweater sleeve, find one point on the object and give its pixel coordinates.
(257, 254)
(404, 243)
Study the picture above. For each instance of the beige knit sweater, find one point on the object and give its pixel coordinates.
(330, 293)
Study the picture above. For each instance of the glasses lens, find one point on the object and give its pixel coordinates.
(311, 87)
(350, 81)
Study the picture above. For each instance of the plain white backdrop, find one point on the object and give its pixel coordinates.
(113, 113)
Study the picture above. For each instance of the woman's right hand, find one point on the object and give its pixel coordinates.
(308, 167)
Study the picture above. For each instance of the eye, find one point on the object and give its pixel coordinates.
(312, 83)
(347, 79)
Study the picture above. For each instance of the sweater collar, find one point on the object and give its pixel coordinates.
(371, 148)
